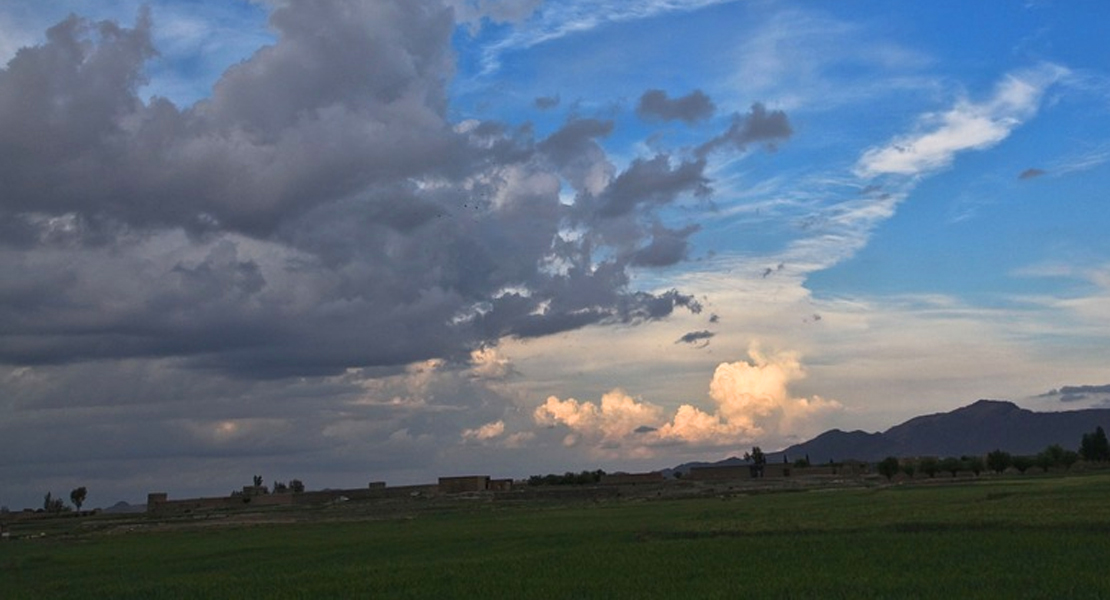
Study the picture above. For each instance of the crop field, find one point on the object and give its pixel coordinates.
(1012, 537)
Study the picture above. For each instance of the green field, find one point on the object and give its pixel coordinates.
(1029, 537)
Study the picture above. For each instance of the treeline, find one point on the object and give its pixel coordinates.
(55, 505)
(568, 478)
(295, 486)
(1094, 447)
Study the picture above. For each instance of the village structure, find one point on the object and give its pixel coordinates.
(609, 485)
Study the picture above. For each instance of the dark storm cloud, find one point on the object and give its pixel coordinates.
(304, 122)
(693, 107)
(1076, 393)
(1031, 173)
(573, 152)
(318, 212)
(758, 126)
(652, 182)
(667, 247)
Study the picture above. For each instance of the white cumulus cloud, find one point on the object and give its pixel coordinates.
(752, 402)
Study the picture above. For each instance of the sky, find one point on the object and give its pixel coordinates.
(385, 240)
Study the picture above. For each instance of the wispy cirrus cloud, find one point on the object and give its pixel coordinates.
(560, 19)
(966, 126)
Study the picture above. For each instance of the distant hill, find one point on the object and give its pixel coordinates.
(124, 507)
(972, 430)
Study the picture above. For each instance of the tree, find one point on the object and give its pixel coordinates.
(296, 485)
(888, 467)
(51, 504)
(1095, 446)
(1052, 456)
(951, 465)
(909, 469)
(77, 496)
(929, 466)
(1022, 463)
(257, 480)
(758, 459)
(1069, 458)
(998, 461)
(974, 464)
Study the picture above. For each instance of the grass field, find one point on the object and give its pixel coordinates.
(1034, 537)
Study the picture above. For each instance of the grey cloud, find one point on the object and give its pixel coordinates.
(1031, 173)
(694, 337)
(693, 107)
(166, 268)
(497, 11)
(667, 247)
(315, 243)
(547, 102)
(306, 121)
(652, 182)
(574, 153)
(573, 138)
(758, 126)
(1076, 393)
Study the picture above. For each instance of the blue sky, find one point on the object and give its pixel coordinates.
(390, 240)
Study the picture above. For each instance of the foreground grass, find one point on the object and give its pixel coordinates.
(1011, 538)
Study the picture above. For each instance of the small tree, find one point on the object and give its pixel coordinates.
(77, 496)
(1095, 446)
(909, 469)
(975, 465)
(888, 467)
(257, 481)
(950, 464)
(929, 466)
(51, 504)
(998, 461)
(296, 485)
(758, 459)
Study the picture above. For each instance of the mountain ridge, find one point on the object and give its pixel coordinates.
(971, 430)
